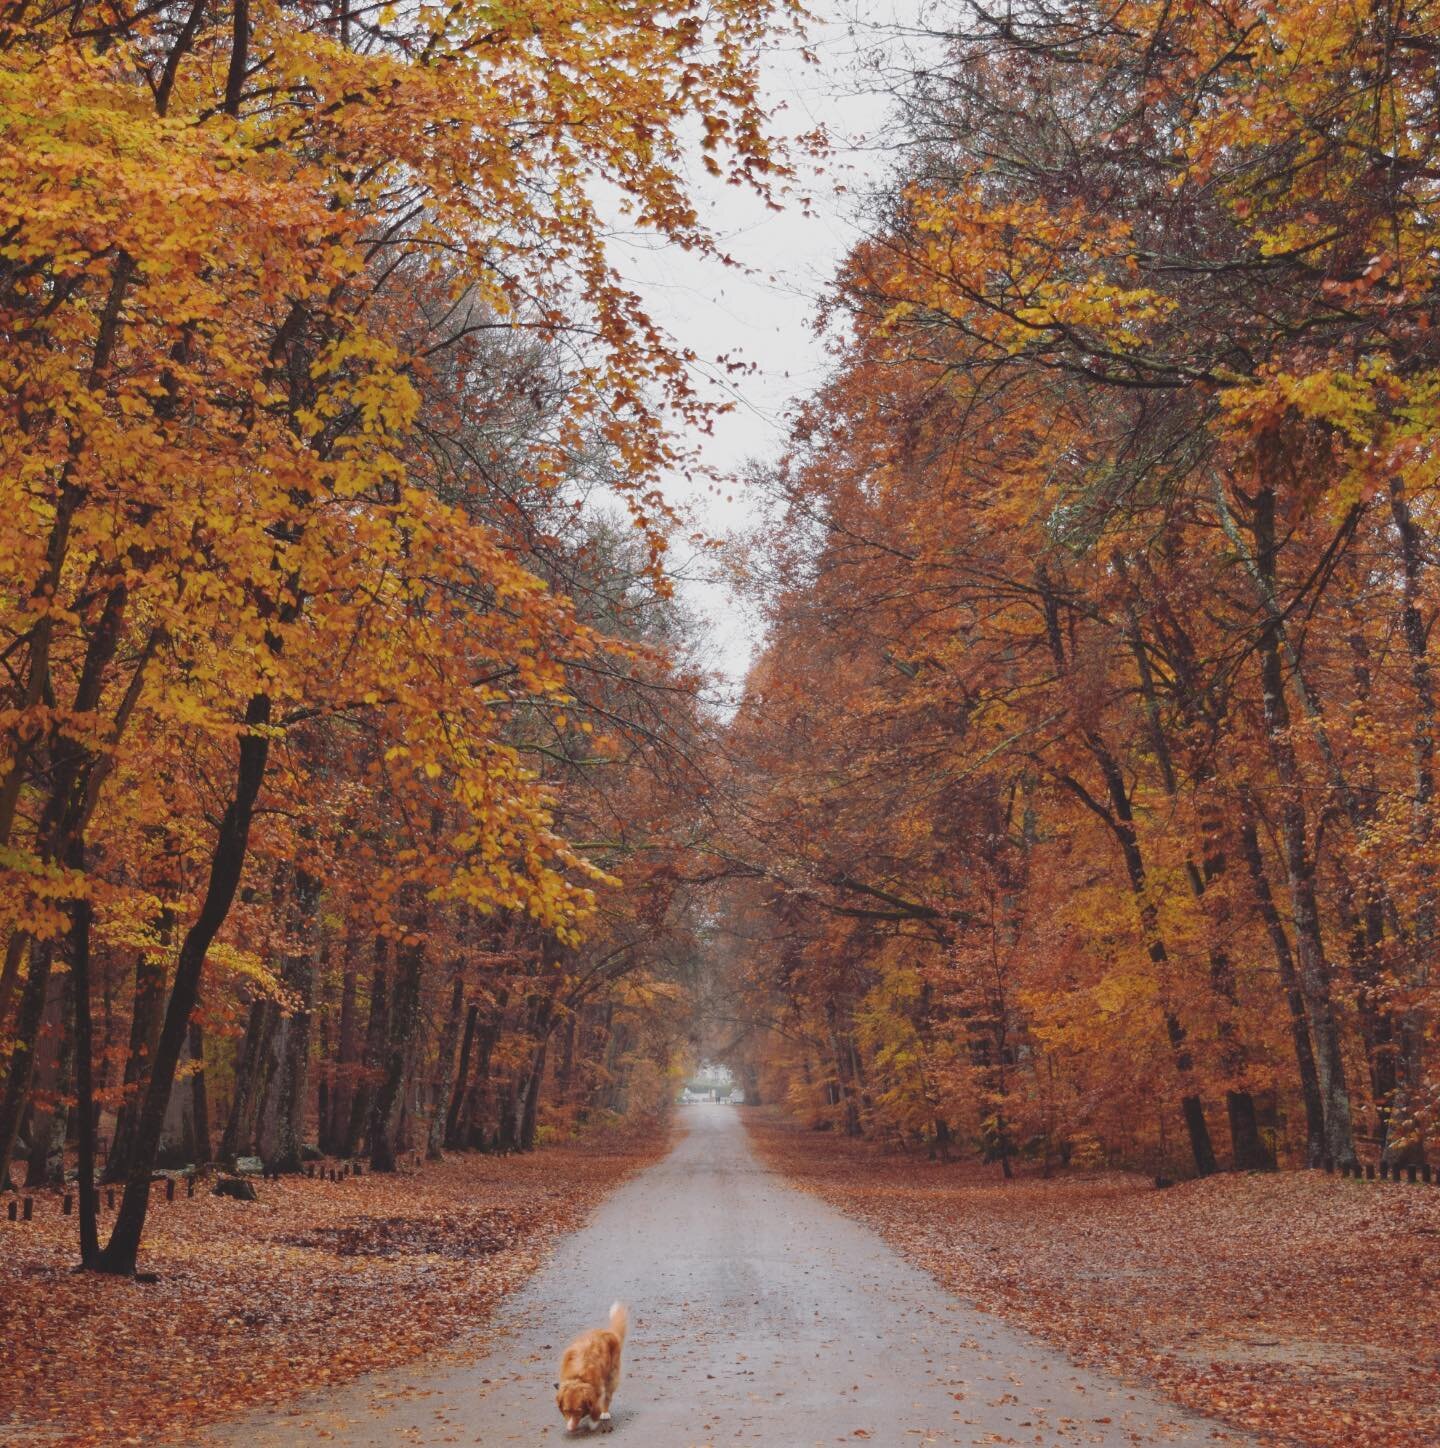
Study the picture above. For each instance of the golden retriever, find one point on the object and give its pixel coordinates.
(590, 1372)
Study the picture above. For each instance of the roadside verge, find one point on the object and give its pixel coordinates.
(312, 1285)
(1297, 1306)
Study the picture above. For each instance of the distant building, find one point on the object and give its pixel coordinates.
(712, 1083)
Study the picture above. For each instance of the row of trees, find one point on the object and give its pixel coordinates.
(1090, 768)
(335, 704)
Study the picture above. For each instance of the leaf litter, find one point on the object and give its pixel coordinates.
(313, 1285)
(1297, 1306)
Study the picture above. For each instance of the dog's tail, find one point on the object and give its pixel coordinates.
(619, 1319)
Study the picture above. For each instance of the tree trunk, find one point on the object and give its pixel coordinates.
(22, 1056)
(298, 971)
(10, 975)
(1290, 983)
(1403, 1142)
(1363, 927)
(453, 1138)
(145, 1021)
(358, 1130)
(440, 1083)
(530, 1117)
(343, 1087)
(565, 1072)
(404, 1021)
(199, 1094)
(226, 864)
(239, 1135)
(1247, 1147)
(472, 1123)
(84, 1083)
(1118, 817)
(1314, 971)
(843, 1079)
(46, 1166)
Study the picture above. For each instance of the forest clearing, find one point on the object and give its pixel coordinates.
(567, 559)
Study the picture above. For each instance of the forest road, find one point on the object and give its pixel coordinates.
(759, 1314)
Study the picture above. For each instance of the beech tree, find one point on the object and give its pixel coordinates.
(248, 254)
(1098, 683)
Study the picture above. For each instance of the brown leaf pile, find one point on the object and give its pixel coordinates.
(1303, 1308)
(314, 1284)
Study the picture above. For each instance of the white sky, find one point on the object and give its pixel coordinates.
(766, 317)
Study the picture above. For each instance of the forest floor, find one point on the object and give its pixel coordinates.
(1303, 1308)
(313, 1284)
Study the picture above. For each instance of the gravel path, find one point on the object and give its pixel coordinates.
(758, 1315)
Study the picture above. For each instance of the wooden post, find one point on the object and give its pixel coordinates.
(169, 1189)
(1425, 1174)
(67, 1204)
(14, 1210)
(109, 1199)
(29, 1209)
(1412, 1174)
(1369, 1171)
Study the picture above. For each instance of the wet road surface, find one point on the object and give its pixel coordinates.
(758, 1314)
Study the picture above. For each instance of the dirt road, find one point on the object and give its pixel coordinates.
(758, 1315)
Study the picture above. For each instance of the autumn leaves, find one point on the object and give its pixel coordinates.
(1091, 762)
(1097, 729)
(311, 342)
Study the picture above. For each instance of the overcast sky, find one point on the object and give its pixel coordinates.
(766, 316)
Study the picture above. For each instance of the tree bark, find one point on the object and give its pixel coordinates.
(46, 1166)
(1289, 982)
(472, 1124)
(358, 1130)
(342, 1088)
(530, 1118)
(226, 864)
(404, 1021)
(453, 1138)
(10, 975)
(1248, 1151)
(441, 1083)
(199, 1094)
(239, 1135)
(298, 972)
(22, 1056)
(145, 1022)
(80, 963)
